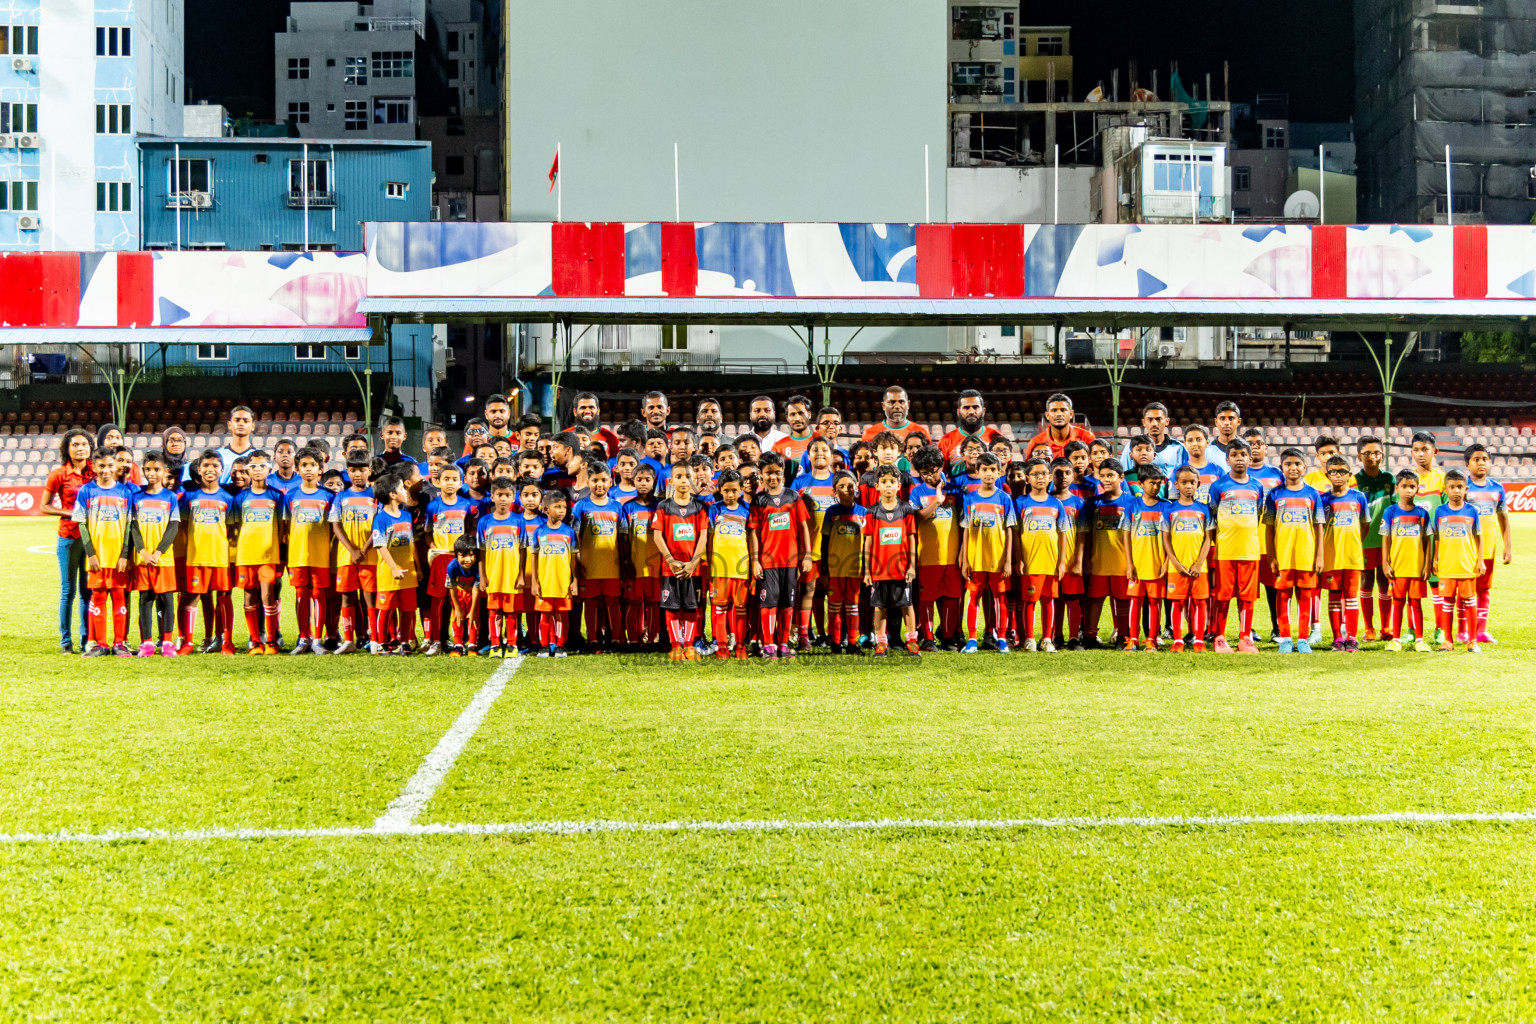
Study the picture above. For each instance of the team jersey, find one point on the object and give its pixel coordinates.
(842, 544)
(309, 529)
(555, 547)
(1378, 495)
(1042, 521)
(260, 516)
(1489, 498)
(393, 530)
(643, 555)
(1269, 478)
(1188, 526)
(1085, 489)
(938, 536)
(1149, 525)
(817, 493)
(869, 488)
(1458, 542)
(1073, 536)
(354, 510)
(1431, 490)
(1294, 514)
(102, 513)
(1237, 507)
(623, 495)
(681, 527)
(890, 532)
(987, 521)
(776, 520)
(792, 447)
(728, 556)
(1208, 474)
(152, 515)
(1407, 528)
(284, 487)
(1110, 519)
(205, 522)
(600, 529)
(447, 521)
(1319, 482)
(1343, 542)
(459, 578)
(501, 552)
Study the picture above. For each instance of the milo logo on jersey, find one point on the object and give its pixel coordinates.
(779, 520)
(890, 535)
(683, 532)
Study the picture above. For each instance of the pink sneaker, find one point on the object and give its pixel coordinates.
(1221, 646)
(1484, 638)
(168, 649)
(1247, 646)
(146, 649)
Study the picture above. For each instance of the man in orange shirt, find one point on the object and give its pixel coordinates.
(797, 413)
(1059, 430)
(895, 403)
(971, 417)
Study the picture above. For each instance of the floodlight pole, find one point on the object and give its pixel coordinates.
(1387, 370)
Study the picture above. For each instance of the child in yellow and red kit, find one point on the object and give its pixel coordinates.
(205, 517)
(449, 516)
(309, 551)
(643, 582)
(1458, 561)
(1345, 515)
(1293, 519)
(1405, 533)
(601, 526)
(1147, 572)
(730, 564)
(156, 520)
(938, 550)
(258, 513)
(552, 573)
(102, 510)
(357, 561)
(1041, 558)
(1190, 522)
(394, 538)
(503, 541)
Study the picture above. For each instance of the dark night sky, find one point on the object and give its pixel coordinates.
(1301, 47)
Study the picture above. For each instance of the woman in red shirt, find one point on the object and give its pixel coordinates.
(59, 500)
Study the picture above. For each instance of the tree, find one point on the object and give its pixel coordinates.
(1497, 347)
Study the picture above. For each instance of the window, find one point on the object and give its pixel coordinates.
(189, 175)
(213, 351)
(18, 117)
(453, 165)
(298, 113)
(18, 195)
(260, 158)
(394, 189)
(114, 119)
(674, 338)
(114, 197)
(1242, 179)
(298, 67)
(19, 40)
(330, 62)
(355, 117)
(1274, 136)
(313, 247)
(114, 41)
(309, 351)
(1050, 46)
(1171, 172)
(393, 63)
(388, 110)
(357, 71)
(351, 351)
(453, 42)
(319, 176)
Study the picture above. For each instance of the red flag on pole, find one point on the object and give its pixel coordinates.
(554, 170)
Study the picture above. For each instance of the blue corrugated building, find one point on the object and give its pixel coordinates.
(277, 194)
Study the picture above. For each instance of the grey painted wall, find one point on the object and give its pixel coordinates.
(788, 110)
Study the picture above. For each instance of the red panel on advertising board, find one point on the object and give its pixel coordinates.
(989, 261)
(1469, 261)
(1330, 262)
(679, 261)
(935, 261)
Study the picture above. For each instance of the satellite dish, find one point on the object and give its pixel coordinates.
(1303, 205)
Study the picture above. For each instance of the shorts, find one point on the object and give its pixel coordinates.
(159, 578)
(1154, 590)
(1237, 579)
(108, 579)
(437, 573)
(405, 600)
(728, 593)
(1295, 579)
(681, 593)
(1405, 588)
(940, 583)
(809, 577)
(495, 602)
(249, 577)
(986, 583)
(207, 579)
(778, 588)
(551, 604)
(1116, 586)
(1195, 588)
(463, 599)
(591, 590)
(1346, 580)
(1372, 559)
(1072, 585)
(1037, 587)
(314, 578)
(351, 578)
(1485, 581)
(891, 594)
(1464, 588)
(843, 590)
(1266, 574)
(643, 590)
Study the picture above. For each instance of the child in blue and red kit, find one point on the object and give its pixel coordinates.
(461, 584)
(450, 517)
(394, 537)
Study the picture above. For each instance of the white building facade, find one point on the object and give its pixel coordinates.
(79, 80)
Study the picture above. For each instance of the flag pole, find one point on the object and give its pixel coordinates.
(927, 193)
(677, 188)
(559, 183)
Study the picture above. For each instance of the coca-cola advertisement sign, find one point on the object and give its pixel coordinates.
(20, 501)
(1522, 498)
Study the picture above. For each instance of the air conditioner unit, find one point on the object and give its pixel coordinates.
(21, 63)
(992, 70)
(200, 200)
(9, 142)
(1167, 350)
(437, 213)
(29, 222)
(28, 142)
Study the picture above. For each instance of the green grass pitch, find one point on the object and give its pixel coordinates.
(1136, 920)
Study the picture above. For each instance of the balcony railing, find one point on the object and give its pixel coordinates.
(1176, 206)
(317, 200)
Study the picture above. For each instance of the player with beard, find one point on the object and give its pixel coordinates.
(498, 418)
(707, 416)
(761, 415)
(895, 405)
(971, 417)
(797, 412)
(654, 409)
(586, 413)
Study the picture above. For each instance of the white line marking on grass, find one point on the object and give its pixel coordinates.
(43, 549)
(562, 828)
(404, 808)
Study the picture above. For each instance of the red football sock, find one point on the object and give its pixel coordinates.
(1048, 620)
(1283, 612)
(1027, 620)
(1416, 618)
(1134, 618)
(1245, 618)
(803, 623)
(1335, 615)
(273, 612)
(1197, 617)
(1367, 605)
(769, 620)
(1351, 617)
(1443, 613)
(120, 615)
(225, 617)
(1120, 616)
(562, 626)
(302, 597)
(852, 615)
(835, 622)
(348, 621)
(1484, 600)
(1469, 614)
(970, 618)
(97, 619)
(1074, 618)
(1305, 599)
(781, 627)
(1000, 610)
